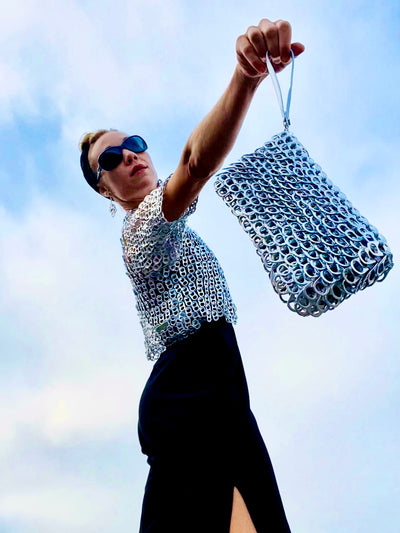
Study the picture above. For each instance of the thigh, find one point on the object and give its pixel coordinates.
(188, 399)
(187, 496)
(255, 479)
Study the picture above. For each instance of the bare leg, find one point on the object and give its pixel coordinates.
(241, 521)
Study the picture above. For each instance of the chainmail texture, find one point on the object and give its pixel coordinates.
(316, 247)
(176, 278)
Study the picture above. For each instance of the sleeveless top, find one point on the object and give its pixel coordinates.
(176, 278)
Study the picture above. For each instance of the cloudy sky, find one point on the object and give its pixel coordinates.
(325, 391)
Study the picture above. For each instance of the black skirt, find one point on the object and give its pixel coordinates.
(201, 439)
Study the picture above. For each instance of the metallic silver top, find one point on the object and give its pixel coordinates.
(176, 278)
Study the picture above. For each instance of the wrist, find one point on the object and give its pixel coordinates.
(249, 82)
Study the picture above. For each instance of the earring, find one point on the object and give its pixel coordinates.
(113, 209)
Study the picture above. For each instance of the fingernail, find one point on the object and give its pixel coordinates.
(276, 60)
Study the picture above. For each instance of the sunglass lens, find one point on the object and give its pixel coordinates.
(135, 144)
(110, 159)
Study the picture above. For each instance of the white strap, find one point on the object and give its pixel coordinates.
(278, 92)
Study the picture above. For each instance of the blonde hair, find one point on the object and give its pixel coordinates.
(90, 138)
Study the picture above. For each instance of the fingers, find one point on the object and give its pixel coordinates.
(269, 37)
(248, 58)
(297, 48)
(256, 39)
(285, 37)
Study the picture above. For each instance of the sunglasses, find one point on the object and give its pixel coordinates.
(112, 156)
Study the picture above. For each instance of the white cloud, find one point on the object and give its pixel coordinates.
(91, 62)
(11, 89)
(100, 406)
(68, 508)
(54, 277)
(63, 287)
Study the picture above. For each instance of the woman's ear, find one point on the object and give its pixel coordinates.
(103, 190)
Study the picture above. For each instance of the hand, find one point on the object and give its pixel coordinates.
(268, 37)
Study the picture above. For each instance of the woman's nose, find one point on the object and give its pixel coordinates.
(128, 156)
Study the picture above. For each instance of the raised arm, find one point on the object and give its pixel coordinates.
(213, 138)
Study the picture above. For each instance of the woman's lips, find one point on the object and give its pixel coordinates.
(137, 168)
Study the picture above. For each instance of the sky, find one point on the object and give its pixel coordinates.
(325, 391)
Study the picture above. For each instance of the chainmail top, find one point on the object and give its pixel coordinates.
(316, 247)
(177, 280)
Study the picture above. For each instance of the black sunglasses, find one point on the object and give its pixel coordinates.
(112, 156)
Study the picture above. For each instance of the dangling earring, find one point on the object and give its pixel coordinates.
(113, 209)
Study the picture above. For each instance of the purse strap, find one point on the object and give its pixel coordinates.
(278, 92)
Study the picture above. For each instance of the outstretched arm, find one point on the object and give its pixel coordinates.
(213, 138)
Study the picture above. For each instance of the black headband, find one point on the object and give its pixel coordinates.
(90, 176)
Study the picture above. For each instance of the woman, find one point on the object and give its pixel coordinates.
(210, 469)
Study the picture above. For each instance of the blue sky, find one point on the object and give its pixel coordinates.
(325, 391)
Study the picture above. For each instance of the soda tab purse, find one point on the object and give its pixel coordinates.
(316, 247)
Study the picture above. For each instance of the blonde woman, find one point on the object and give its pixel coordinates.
(209, 467)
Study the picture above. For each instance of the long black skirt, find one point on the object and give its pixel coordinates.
(202, 440)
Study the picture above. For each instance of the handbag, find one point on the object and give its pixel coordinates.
(316, 247)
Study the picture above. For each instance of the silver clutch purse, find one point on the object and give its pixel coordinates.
(316, 247)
